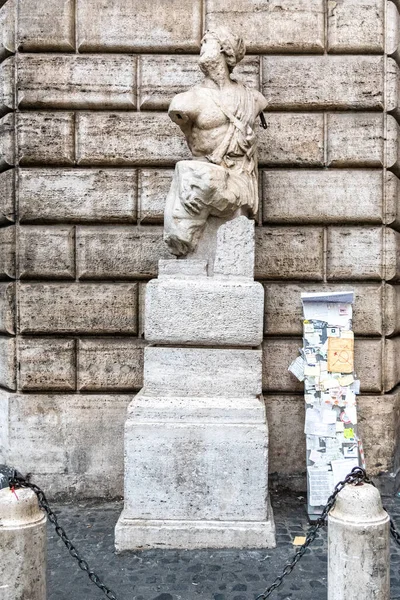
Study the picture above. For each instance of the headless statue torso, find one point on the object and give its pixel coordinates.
(218, 120)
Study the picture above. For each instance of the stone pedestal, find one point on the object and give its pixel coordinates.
(196, 437)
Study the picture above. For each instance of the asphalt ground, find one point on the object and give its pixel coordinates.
(194, 574)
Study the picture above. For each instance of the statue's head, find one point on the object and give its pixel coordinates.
(222, 41)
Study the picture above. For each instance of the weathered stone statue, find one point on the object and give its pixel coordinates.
(196, 435)
(218, 119)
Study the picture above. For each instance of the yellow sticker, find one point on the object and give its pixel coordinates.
(349, 433)
(299, 540)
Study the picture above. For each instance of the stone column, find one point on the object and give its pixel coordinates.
(23, 546)
(196, 437)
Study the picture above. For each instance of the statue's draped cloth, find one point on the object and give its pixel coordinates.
(222, 182)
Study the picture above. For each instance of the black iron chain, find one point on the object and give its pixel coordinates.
(17, 481)
(357, 476)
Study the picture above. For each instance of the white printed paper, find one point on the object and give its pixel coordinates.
(297, 368)
(341, 468)
(320, 482)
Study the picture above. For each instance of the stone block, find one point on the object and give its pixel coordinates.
(46, 138)
(284, 312)
(154, 185)
(391, 313)
(78, 195)
(392, 104)
(272, 27)
(278, 353)
(162, 77)
(392, 255)
(7, 363)
(188, 268)
(391, 363)
(204, 312)
(356, 26)
(110, 364)
(292, 139)
(119, 252)
(207, 372)
(172, 25)
(289, 253)
(393, 31)
(7, 142)
(7, 252)
(47, 252)
(355, 253)
(322, 196)
(378, 424)
(392, 155)
(323, 82)
(7, 308)
(392, 204)
(7, 29)
(357, 139)
(285, 415)
(7, 83)
(235, 249)
(46, 26)
(7, 195)
(129, 139)
(78, 308)
(368, 363)
(74, 81)
(67, 460)
(46, 364)
(234, 447)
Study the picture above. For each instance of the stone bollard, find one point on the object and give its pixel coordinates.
(358, 546)
(23, 546)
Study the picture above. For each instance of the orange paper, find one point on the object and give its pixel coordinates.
(340, 355)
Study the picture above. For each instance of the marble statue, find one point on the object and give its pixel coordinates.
(218, 120)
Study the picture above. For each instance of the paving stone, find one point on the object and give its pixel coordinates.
(168, 574)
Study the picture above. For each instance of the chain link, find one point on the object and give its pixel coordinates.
(358, 475)
(17, 481)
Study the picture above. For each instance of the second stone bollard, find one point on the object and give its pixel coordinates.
(358, 546)
(23, 546)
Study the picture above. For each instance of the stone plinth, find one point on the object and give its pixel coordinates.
(196, 436)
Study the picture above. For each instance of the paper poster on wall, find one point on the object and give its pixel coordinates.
(326, 365)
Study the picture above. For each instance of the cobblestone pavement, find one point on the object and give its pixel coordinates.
(191, 575)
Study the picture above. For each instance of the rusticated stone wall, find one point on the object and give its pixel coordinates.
(86, 154)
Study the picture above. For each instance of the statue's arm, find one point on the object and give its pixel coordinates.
(183, 110)
(261, 102)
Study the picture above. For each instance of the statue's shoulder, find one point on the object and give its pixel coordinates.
(184, 100)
